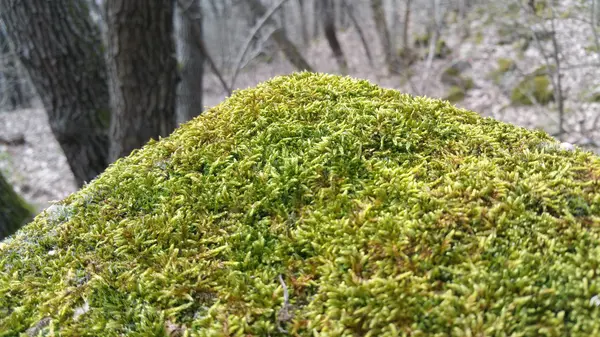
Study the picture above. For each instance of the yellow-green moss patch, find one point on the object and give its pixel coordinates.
(537, 87)
(375, 212)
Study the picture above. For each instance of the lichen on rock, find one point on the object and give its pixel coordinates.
(317, 204)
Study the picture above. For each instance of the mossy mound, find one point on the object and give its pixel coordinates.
(319, 205)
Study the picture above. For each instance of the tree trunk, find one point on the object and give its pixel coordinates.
(384, 34)
(11, 85)
(406, 25)
(303, 22)
(14, 212)
(328, 16)
(61, 50)
(191, 59)
(287, 47)
(316, 10)
(142, 72)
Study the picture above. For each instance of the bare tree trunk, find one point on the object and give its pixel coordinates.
(303, 22)
(287, 47)
(14, 212)
(282, 20)
(384, 34)
(558, 90)
(191, 59)
(328, 16)
(143, 72)
(316, 10)
(341, 15)
(61, 50)
(359, 31)
(405, 43)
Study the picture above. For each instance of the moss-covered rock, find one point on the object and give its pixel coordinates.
(537, 87)
(319, 205)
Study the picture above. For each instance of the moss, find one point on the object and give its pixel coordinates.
(455, 94)
(407, 57)
(504, 65)
(441, 49)
(378, 213)
(422, 40)
(452, 76)
(478, 39)
(537, 87)
(544, 70)
(591, 49)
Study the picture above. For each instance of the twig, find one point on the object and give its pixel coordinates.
(257, 52)
(284, 314)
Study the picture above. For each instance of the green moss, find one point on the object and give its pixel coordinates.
(422, 40)
(478, 39)
(452, 76)
(379, 213)
(455, 94)
(441, 49)
(104, 117)
(594, 97)
(591, 49)
(504, 65)
(544, 70)
(537, 87)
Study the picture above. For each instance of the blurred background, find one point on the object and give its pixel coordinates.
(83, 83)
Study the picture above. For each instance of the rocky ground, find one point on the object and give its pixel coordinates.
(33, 162)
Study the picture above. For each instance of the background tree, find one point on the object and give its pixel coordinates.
(13, 85)
(14, 212)
(142, 72)
(328, 17)
(188, 31)
(61, 50)
(384, 35)
(290, 50)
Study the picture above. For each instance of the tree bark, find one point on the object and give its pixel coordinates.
(14, 212)
(384, 35)
(142, 72)
(61, 50)
(287, 47)
(191, 59)
(328, 16)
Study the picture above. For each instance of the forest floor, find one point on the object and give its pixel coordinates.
(33, 162)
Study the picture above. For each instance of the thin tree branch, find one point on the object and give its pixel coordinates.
(251, 37)
(359, 31)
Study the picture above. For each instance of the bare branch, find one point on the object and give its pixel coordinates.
(359, 31)
(284, 314)
(251, 37)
